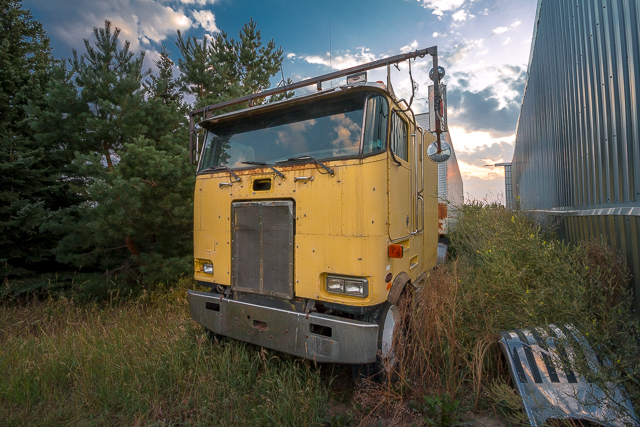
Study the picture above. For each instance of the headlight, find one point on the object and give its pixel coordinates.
(204, 266)
(207, 268)
(335, 285)
(347, 286)
(353, 287)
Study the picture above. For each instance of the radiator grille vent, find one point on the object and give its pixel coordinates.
(262, 247)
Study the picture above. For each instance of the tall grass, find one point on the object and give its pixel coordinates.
(506, 273)
(143, 362)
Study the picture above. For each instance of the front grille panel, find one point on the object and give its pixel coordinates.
(246, 247)
(276, 267)
(262, 247)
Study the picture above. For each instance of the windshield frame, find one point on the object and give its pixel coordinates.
(370, 92)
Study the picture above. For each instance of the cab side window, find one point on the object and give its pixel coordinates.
(399, 137)
(377, 123)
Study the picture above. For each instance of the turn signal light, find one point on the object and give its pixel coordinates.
(396, 251)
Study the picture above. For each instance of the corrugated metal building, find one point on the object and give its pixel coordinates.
(508, 191)
(577, 154)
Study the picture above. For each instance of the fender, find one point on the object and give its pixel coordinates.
(397, 287)
(399, 283)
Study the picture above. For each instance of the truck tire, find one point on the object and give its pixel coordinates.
(391, 321)
(390, 324)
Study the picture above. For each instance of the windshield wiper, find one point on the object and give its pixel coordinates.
(267, 165)
(222, 167)
(313, 159)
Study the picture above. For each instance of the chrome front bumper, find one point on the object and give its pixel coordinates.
(338, 340)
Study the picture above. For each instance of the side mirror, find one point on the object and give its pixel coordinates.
(441, 156)
(194, 142)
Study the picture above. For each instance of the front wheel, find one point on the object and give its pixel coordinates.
(392, 323)
(389, 327)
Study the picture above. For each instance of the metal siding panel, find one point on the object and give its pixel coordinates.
(634, 223)
(608, 183)
(442, 181)
(611, 231)
(602, 229)
(578, 89)
(611, 86)
(620, 232)
(595, 97)
(588, 110)
(577, 140)
(630, 15)
(622, 82)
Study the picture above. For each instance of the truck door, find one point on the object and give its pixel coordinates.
(418, 183)
(400, 191)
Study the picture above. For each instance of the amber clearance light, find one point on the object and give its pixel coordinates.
(396, 251)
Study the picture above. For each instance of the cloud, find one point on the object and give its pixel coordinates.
(315, 59)
(291, 55)
(497, 152)
(295, 135)
(140, 22)
(465, 140)
(157, 25)
(515, 23)
(460, 15)
(437, 34)
(474, 150)
(489, 189)
(206, 19)
(482, 111)
(409, 48)
(500, 30)
(199, 2)
(461, 49)
(347, 132)
(441, 6)
(341, 61)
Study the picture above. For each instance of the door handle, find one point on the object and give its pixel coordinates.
(303, 178)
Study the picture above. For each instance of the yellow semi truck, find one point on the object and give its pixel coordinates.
(313, 214)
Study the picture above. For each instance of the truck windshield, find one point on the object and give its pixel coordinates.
(324, 129)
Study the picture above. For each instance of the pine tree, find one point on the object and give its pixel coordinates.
(30, 183)
(197, 76)
(110, 81)
(221, 68)
(163, 86)
(130, 165)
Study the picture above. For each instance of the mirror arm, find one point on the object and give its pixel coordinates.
(436, 94)
(191, 156)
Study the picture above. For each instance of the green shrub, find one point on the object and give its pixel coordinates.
(508, 272)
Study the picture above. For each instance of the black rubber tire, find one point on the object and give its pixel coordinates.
(375, 371)
(380, 370)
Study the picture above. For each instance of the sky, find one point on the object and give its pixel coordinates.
(483, 45)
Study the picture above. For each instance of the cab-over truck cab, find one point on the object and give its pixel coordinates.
(312, 216)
